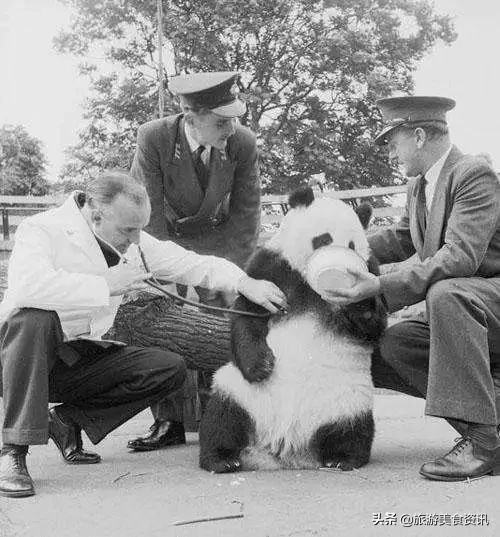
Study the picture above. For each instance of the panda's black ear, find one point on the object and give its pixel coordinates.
(364, 212)
(301, 196)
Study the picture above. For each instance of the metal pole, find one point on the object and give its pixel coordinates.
(161, 96)
(5, 224)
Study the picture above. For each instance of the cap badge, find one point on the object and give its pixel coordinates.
(397, 120)
(234, 90)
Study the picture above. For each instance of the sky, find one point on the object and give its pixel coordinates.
(41, 89)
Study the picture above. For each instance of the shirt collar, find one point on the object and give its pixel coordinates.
(193, 144)
(432, 174)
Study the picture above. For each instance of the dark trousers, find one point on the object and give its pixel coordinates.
(452, 359)
(101, 383)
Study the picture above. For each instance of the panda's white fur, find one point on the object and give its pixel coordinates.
(317, 378)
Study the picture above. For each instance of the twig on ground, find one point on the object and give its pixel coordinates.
(129, 474)
(207, 519)
(211, 519)
(121, 477)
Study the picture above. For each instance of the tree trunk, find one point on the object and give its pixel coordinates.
(202, 339)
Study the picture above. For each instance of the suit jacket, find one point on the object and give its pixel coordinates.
(56, 264)
(462, 236)
(163, 162)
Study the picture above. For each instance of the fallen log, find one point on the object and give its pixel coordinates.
(201, 338)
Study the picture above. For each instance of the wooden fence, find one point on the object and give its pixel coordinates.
(274, 207)
(15, 208)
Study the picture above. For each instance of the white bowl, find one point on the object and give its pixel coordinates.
(328, 266)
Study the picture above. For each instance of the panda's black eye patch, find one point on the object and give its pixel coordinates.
(351, 245)
(321, 240)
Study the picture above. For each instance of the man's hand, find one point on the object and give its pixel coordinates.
(366, 286)
(264, 293)
(124, 278)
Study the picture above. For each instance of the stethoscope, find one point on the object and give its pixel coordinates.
(155, 284)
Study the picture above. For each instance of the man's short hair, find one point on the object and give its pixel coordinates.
(190, 112)
(433, 131)
(104, 189)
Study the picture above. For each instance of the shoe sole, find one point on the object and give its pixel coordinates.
(19, 494)
(445, 478)
(151, 448)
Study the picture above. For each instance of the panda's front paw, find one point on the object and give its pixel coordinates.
(261, 370)
(224, 467)
(341, 466)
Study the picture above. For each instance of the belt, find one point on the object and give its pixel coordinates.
(190, 229)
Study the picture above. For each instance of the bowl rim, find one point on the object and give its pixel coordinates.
(344, 251)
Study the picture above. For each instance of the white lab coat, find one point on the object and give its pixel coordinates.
(57, 264)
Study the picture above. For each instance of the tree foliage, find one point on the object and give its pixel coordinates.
(22, 163)
(312, 70)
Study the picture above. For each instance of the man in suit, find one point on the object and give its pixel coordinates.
(200, 168)
(68, 271)
(452, 222)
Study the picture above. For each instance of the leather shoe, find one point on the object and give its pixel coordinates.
(67, 436)
(162, 434)
(465, 461)
(15, 481)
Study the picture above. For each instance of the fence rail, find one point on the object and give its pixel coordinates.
(274, 207)
(347, 194)
(15, 208)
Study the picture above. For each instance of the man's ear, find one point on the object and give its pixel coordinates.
(95, 210)
(420, 136)
(95, 215)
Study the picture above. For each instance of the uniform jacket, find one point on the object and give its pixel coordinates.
(462, 236)
(57, 264)
(163, 162)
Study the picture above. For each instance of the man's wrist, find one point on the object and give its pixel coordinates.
(242, 283)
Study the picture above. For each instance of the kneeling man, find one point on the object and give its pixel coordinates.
(68, 271)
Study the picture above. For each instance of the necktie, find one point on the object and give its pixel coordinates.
(422, 205)
(112, 257)
(200, 168)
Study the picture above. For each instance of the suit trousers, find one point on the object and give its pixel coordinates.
(452, 359)
(102, 384)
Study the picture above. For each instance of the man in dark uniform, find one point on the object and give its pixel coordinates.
(200, 168)
(452, 222)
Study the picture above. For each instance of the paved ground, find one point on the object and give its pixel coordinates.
(144, 495)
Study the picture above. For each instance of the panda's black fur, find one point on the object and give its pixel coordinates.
(252, 421)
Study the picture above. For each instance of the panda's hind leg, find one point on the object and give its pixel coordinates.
(345, 445)
(225, 430)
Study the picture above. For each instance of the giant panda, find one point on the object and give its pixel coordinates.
(298, 392)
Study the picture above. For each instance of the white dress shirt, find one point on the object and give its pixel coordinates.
(431, 177)
(193, 145)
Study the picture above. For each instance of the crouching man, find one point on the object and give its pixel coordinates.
(68, 272)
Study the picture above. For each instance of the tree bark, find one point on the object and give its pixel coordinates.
(201, 338)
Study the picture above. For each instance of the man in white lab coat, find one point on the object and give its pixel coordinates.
(68, 271)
